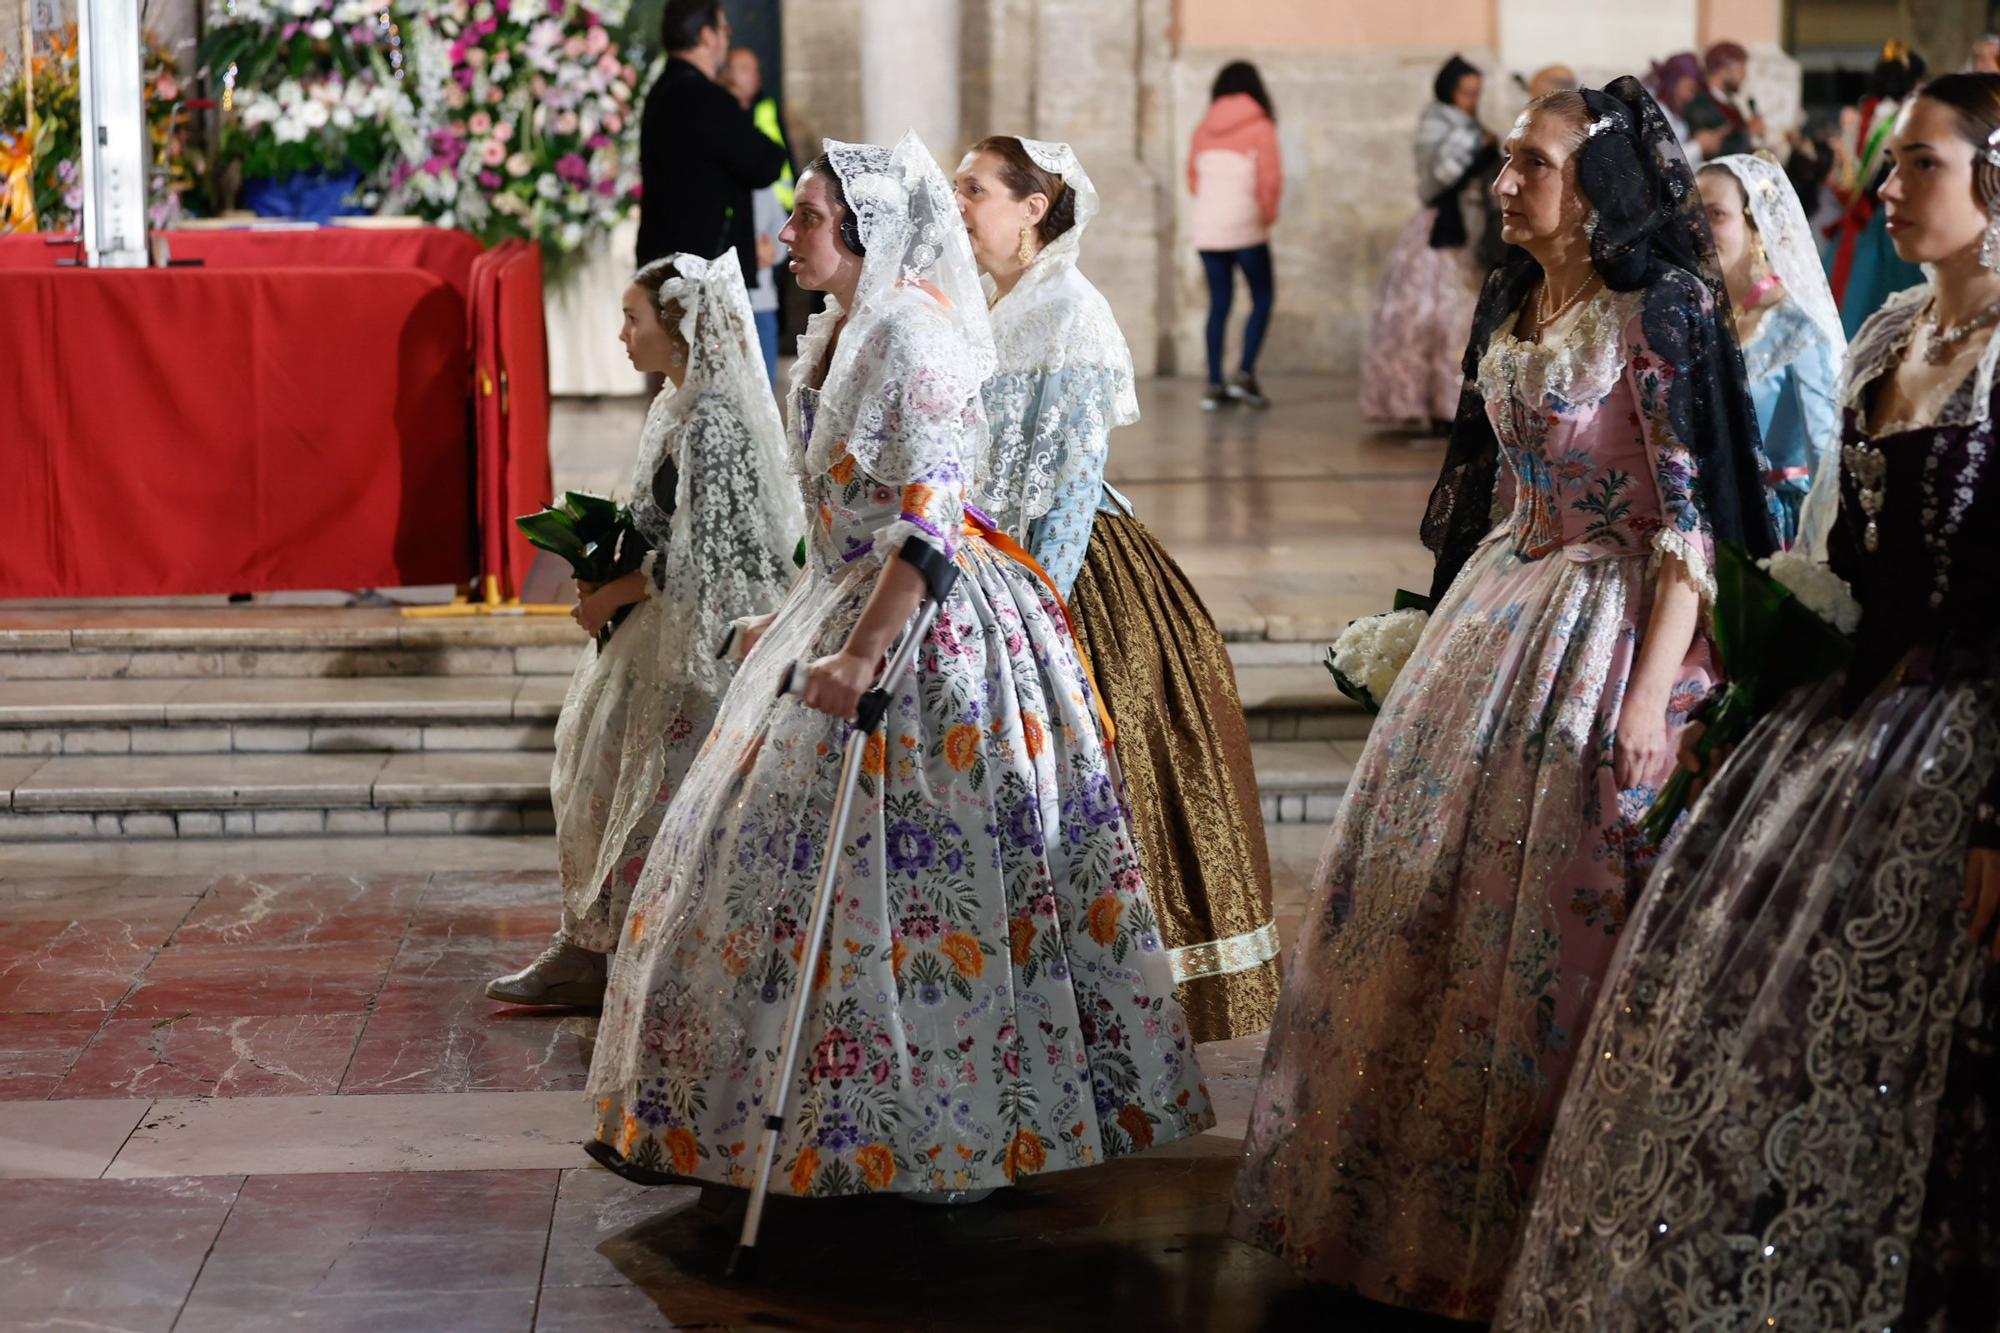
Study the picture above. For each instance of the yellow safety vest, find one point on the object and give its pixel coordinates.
(765, 115)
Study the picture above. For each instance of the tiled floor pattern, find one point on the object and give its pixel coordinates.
(260, 1098)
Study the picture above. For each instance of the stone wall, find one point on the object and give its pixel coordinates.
(1345, 124)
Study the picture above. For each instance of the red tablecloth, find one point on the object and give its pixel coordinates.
(449, 254)
(212, 430)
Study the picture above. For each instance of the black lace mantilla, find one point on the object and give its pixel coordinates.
(1650, 235)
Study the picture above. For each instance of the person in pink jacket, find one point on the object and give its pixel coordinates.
(1236, 176)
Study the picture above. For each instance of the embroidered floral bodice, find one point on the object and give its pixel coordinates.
(1594, 468)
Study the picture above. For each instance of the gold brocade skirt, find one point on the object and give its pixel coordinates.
(1185, 751)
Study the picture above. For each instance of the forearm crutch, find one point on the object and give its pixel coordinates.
(939, 576)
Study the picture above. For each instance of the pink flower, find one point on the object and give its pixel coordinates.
(597, 40)
(613, 123)
(493, 96)
(608, 65)
(167, 88)
(489, 180)
(480, 123)
(573, 48)
(492, 152)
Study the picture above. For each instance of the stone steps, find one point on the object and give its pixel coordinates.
(215, 722)
(65, 797)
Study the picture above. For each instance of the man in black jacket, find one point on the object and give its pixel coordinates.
(700, 154)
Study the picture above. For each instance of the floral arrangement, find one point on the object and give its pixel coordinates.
(1371, 652)
(1780, 623)
(529, 125)
(41, 165)
(1817, 587)
(309, 89)
(595, 535)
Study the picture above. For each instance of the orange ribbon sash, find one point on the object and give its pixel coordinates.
(1014, 551)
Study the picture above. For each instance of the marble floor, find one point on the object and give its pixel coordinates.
(253, 1096)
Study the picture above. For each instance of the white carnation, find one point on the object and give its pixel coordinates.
(1818, 588)
(1372, 651)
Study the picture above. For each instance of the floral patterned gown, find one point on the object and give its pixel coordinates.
(1476, 878)
(994, 1000)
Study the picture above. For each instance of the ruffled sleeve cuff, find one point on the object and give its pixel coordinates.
(1696, 554)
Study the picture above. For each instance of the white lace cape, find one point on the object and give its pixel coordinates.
(1053, 330)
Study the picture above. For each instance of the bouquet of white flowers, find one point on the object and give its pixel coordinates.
(1372, 651)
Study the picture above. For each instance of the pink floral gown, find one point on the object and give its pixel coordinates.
(1474, 884)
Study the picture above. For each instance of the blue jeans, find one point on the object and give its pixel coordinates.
(1221, 266)
(767, 337)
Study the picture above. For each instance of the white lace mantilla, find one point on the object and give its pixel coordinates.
(721, 548)
(1579, 366)
(917, 345)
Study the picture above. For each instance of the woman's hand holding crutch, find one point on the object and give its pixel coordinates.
(835, 683)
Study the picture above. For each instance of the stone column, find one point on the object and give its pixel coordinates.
(909, 72)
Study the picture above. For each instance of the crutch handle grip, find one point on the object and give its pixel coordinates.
(794, 678)
(728, 642)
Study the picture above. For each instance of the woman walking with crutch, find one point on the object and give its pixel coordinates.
(991, 999)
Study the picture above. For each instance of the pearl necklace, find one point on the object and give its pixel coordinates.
(1544, 316)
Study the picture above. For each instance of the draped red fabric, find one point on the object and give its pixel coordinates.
(215, 430)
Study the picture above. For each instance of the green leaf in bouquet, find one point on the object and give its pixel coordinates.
(1352, 689)
(1407, 601)
(799, 554)
(596, 515)
(1769, 643)
(554, 531)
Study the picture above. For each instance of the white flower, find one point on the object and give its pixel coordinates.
(289, 93)
(572, 236)
(314, 115)
(1818, 588)
(548, 186)
(520, 164)
(343, 118)
(289, 129)
(1372, 651)
(321, 29)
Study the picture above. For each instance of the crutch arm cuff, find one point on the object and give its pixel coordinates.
(937, 568)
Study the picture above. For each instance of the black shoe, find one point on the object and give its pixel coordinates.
(1245, 391)
(1215, 399)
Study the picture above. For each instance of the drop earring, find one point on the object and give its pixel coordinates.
(1989, 242)
(1026, 252)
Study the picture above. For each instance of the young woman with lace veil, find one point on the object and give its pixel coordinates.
(1786, 1109)
(711, 496)
(1786, 323)
(1476, 879)
(993, 1000)
(1063, 383)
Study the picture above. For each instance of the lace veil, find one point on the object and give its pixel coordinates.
(1648, 234)
(917, 345)
(1789, 246)
(1064, 379)
(710, 494)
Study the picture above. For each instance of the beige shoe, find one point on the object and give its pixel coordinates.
(563, 977)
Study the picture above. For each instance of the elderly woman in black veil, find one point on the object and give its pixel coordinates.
(1475, 882)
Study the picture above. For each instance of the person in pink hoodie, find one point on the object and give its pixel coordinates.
(1236, 176)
